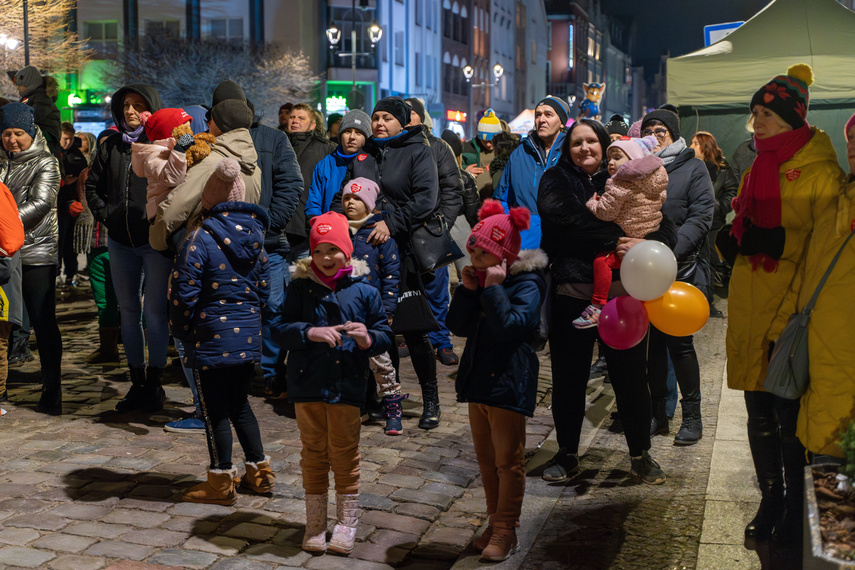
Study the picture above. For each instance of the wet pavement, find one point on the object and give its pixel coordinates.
(96, 489)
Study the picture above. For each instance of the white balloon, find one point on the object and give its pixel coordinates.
(648, 270)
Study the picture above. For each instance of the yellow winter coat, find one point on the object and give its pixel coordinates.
(829, 403)
(758, 304)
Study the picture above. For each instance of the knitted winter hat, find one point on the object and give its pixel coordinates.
(224, 185)
(561, 108)
(617, 126)
(849, 124)
(332, 228)
(636, 148)
(30, 78)
(231, 114)
(226, 90)
(364, 189)
(396, 107)
(159, 125)
(634, 130)
(18, 116)
(499, 233)
(453, 141)
(489, 125)
(418, 107)
(356, 119)
(787, 95)
(665, 116)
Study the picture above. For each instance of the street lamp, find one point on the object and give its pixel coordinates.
(8, 44)
(469, 73)
(375, 32)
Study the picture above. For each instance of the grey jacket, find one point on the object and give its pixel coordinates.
(33, 178)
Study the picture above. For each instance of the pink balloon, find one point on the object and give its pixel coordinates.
(623, 322)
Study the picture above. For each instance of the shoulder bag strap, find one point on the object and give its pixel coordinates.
(809, 307)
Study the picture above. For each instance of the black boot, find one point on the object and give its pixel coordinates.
(50, 401)
(136, 395)
(788, 534)
(431, 411)
(692, 428)
(766, 452)
(659, 421)
(153, 395)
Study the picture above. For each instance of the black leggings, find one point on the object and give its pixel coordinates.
(571, 351)
(223, 398)
(686, 366)
(768, 413)
(39, 292)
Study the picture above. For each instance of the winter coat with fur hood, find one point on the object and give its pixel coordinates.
(499, 367)
(183, 206)
(634, 196)
(219, 286)
(318, 372)
(33, 178)
(116, 195)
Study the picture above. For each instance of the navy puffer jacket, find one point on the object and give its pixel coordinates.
(318, 372)
(384, 263)
(219, 285)
(499, 367)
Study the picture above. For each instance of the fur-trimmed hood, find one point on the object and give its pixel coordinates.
(529, 260)
(639, 168)
(301, 270)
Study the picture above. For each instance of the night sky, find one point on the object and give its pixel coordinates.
(675, 25)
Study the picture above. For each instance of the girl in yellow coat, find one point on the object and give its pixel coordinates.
(828, 406)
(794, 178)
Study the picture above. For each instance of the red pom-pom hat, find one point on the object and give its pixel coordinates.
(499, 233)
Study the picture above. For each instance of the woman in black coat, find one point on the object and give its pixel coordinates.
(572, 237)
(402, 163)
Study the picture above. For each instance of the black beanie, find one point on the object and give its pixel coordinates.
(226, 90)
(561, 108)
(453, 141)
(418, 107)
(666, 117)
(396, 107)
(231, 114)
(617, 126)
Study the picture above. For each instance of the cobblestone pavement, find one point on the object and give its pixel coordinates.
(96, 489)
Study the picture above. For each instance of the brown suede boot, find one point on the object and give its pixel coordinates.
(259, 478)
(219, 489)
(347, 517)
(482, 541)
(109, 350)
(502, 544)
(315, 538)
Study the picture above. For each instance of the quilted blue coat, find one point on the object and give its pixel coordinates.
(318, 372)
(219, 285)
(499, 367)
(384, 263)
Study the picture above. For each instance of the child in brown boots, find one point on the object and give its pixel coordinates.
(219, 285)
(332, 321)
(497, 309)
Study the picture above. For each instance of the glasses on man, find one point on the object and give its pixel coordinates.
(658, 133)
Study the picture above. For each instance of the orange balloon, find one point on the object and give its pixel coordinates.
(682, 311)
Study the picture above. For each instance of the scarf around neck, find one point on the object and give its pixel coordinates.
(331, 282)
(759, 203)
(670, 152)
(132, 136)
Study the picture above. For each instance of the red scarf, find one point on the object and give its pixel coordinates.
(331, 282)
(759, 203)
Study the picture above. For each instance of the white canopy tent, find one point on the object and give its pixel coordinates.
(712, 87)
(522, 123)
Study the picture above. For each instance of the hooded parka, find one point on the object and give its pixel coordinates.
(33, 178)
(758, 302)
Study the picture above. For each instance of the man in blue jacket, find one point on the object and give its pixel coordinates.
(538, 151)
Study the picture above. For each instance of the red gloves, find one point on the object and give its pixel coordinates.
(75, 208)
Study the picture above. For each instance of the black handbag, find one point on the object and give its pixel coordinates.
(413, 313)
(432, 245)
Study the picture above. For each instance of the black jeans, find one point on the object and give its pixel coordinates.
(686, 366)
(65, 249)
(223, 398)
(39, 292)
(571, 351)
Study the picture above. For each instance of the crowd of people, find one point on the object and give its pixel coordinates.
(302, 250)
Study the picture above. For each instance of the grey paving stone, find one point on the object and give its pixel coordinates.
(18, 536)
(277, 554)
(74, 562)
(239, 564)
(98, 529)
(191, 525)
(296, 506)
(16, 490)
(24, 477)
(144, 505)
(251, 531)
(220, 545)
(153, 491)
(288, 492)
(199, 510)
(140, 463)
(395, 522)
(434, 499)
(371, 501)
(332, 562)
(116, 549)
(25, 557)
(136, 518)
(183, 558)
(388, 537)
(24, 505)
(40, 521)
(79, 511)
(155, 537)
(379, 553)
(417, 510)
(449, 478)
(63, 542)
(451, 536)
(407, 481)
(443, 489)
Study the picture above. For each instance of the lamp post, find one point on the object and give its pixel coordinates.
(469, 73)
(375, 32)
